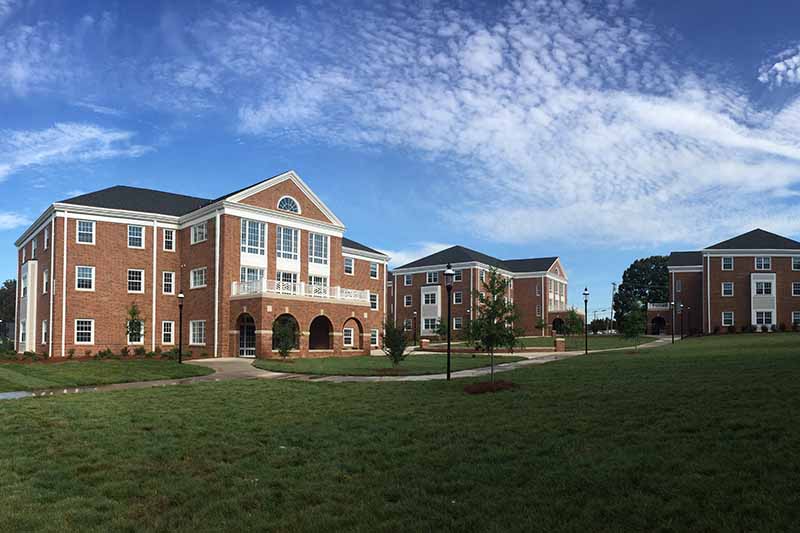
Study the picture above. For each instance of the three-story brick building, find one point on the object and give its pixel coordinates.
(269, 254)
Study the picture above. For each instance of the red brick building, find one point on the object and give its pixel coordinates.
(270, 253)
(418, 297)
(749, 280)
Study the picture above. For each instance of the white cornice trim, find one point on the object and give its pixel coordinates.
(476, 264)
(359, 254)
(275, 217)
(693, 268)
(778, 252)
(35, 228)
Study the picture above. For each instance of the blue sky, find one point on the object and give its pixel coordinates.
(599, 132)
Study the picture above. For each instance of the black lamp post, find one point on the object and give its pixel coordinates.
(180, 327)
(449, 274)
(681, 321)
(672, 304)
(414, 329)
(2, 330)
(586, 320)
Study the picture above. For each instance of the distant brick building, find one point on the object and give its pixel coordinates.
(267, 254)
(752, 279)
(417, 294)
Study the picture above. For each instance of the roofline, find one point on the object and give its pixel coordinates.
(363, 253)
(35, 226)
(685, 268)
(748, 251)
(471, 264)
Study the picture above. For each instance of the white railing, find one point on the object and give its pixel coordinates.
(312, 290)
(658, 307)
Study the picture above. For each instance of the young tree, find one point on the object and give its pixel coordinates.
(646, 280)
(494, 323)
(286, 336)
(395, 342)
(7, 302)
(541, 324)
(633, 324)
(133, 323)
(573, 324)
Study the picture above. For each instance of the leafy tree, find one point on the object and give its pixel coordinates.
(600, 324)
(494, 323)
(395, 342)
(7, 301)
(646, 280)
(134, 324)
(541, 324)
(632, 324)
(573, 324)
(285, 336)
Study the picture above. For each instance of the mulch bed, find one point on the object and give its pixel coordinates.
(487, 386)
(54, 360)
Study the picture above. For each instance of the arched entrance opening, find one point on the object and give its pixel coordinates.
(247, 335)
(658, 325)
(285, 325)
(320, 334)
(558, 326)
(352, 334)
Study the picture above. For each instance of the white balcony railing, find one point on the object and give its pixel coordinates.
(658, 307)
(312, 290)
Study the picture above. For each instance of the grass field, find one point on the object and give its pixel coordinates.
(18, 377)
(701, 436)
(377, 366)
(576, 342)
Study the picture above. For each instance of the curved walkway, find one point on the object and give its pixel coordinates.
(233, 368)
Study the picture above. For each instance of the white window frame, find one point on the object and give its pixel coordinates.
(246, 247)
(91, 332)
(141, 336)
(538, 309)
(763, 286)
(482, 276)
(457, 323)
(164, 275)
(294, 253)
(764, 260)
(678, 285)
(429, 296)
(732, 320)
(128, 280)
(192, 325)
(245, 271)
(407, 324)
(24, 254)
(172, 232)
(78, 231)
(458, 298)
(44, 331)
(723, 263)
(408, 280)
(34, 245)
(23, 328)
(46, 281)
(373, 338)
(46, 238)
(352, 262)
(796, 288)
(408, 300)
(296, 204)
(348, 332)
(373, 301)
(24, 284)
(795, 317)
(373, 267)
(193, 284)
(426, 320)
(315, 241)
(431, 277)
(77, 278)
(796, 262)
(726, 284)
(171, 323)
(142, 236)
(199, 232)
(459, 276)
(764, 318)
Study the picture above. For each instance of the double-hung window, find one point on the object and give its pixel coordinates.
(429, 298)
(23, 329)
(136, 337)
(432, 277)
(44, 332)
(763, 318)
(373, 301)
(253, 237)
(135, 236)
(46, 238)
(763, 263)
(373, 337)
(458, 297)
(727, 263)
(200, 232)
(763, 288)
(84, 278)
(85, 232)
(135, 280)
(167, 332)
(407, 300)
(459, 275)
(198, 278)
(727, 288)
(24, 289)
(429, 324)
(457, 322)
(796, 288)
(727, 318)
(197, 332)
(45, 281)
(287, 244)
(796, 317)
(483, 275)
(347, 337)
(407, 280)
(318, 248)
(168, 282)
(84, 331)
(795, 260)
(169, 240)
(33, 248)
(349, 266)
(373, 270)
(407, 324)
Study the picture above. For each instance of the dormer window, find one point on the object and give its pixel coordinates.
(287, 203)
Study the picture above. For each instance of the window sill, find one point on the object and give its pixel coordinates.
(198, 287)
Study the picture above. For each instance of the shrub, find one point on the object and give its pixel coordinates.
(731, 329)
(124, 352)
(716, 330)
(157, 351)
(87, 353)
(70, 353)
(782, 326)
(105, 354)
(395, 342)
(795, 326)
(773, 328)
(139, 351)
(764, 328)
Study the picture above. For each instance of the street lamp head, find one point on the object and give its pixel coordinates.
(449, 274)
(586, 294)
(415, 313)
(180, 298)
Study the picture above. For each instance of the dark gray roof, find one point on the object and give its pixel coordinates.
(143, 200)
(228, 195)
(460, 254)
(682, 259)
(758, 239)
(349, 243)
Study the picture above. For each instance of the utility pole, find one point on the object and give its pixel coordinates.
(613, 292)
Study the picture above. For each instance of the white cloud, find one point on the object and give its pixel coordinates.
(63, 143)
(784, 68)
(100, 109)
(414, 251)
(12, 220)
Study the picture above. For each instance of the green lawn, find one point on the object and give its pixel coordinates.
(701, 436)
(17, 377)
(576, 342)
(375, 366)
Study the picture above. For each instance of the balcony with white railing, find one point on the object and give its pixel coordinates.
(283, 289)
(659, 307)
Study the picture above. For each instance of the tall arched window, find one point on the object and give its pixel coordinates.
(287, 203)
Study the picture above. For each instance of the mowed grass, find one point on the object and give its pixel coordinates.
(19, 377)
(376, 366)
(701, 436)
(576, 342)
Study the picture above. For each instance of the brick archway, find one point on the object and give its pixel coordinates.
(290, 321)
(357, 334)
(320, 334)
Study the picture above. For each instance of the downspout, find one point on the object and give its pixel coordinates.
(216, 285)
(16, 306)
(708, 292)
(50, 283)
(64, 287)
(155, 285)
